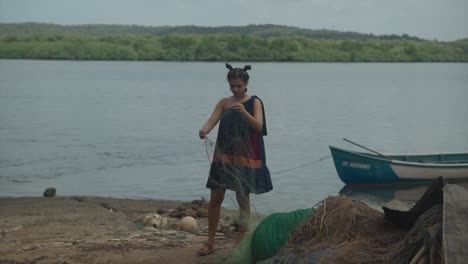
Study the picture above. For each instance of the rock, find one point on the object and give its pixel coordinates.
(174, 213)
(189, 224)
(162, 211)
(196, 202)
(199, 202)
(182, 208)
(223, 228)
(202, 212)
(190, 212)
(398, 205)
(226, 228)
(155, 220)
(235, 224)
(170, 232)
(181, 235)
(174, 225)
(50, 192)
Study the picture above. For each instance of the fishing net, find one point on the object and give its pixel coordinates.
(274, 231)
(425, 234)
(347, 231)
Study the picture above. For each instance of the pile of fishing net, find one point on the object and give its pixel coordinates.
(342, 230)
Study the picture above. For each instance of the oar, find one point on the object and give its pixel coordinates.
(361, 146)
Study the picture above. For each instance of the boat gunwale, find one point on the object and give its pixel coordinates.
(406, 163)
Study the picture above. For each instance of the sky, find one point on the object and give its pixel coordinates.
(430, 19)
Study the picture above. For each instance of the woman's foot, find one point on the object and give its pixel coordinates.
(206, 249)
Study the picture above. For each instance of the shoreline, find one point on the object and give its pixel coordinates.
(89, 229)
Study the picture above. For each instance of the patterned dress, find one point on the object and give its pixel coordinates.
(239, 156)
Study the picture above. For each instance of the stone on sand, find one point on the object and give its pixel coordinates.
(188, 224)
(49, 192)
(155, 220)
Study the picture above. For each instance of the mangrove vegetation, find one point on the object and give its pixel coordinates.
(191, 43)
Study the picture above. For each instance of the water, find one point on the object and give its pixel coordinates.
(130, 129)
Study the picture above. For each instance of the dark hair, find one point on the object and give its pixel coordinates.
(238, 73)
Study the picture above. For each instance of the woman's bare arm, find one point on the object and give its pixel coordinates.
(213, 120)
(256, 121)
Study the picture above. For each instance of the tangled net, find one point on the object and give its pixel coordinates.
(348, 231)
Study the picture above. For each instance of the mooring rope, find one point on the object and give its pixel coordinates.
(303, 165)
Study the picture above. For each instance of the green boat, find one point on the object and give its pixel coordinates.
(365, 168)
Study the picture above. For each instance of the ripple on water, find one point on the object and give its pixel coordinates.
(19, 180)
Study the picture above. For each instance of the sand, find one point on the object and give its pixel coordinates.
(99, 230)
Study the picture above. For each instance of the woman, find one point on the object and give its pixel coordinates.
(239, 156)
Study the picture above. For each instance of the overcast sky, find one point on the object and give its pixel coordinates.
(430, 19)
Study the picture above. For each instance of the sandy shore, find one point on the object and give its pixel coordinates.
(100, 230)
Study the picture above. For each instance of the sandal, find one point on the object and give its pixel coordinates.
(205, 250)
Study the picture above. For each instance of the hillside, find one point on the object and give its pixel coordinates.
(264, 31)
(193, 43)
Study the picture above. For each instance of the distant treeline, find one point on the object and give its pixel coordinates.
(35, 41)
(264, 31)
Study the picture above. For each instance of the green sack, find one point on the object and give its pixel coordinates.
(274, 231)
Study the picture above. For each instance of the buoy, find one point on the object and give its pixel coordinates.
(188, 224)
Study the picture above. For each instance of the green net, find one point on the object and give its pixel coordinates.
(274, 231)
(268, 237)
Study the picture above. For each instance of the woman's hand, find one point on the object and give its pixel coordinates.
(202, 134)
(239, 108)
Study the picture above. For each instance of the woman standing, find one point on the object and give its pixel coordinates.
(239, 157)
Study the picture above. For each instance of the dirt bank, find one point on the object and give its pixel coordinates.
(100, 230)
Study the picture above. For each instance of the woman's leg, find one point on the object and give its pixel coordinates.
(243, 199)
(214, 210)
